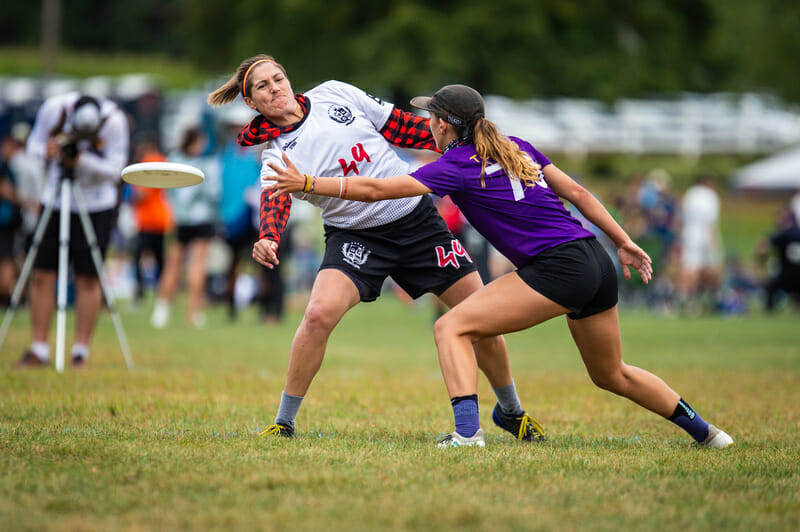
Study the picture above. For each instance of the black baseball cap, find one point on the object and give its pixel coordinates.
(458, 104)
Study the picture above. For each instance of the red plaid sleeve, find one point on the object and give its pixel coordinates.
(274, 215)
(408, 130)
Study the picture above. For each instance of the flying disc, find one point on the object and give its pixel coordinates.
(162, 175)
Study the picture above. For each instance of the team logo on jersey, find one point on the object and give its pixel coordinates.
(290, 145)
(450, 258)
(355, 254)
(375, 98)
(341, 114)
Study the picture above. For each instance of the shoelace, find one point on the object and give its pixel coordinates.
(527, 421)
(272, 430)
(447, 441)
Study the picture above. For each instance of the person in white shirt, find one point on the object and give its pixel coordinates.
(338, 129)
(701, 243)
(96, 153)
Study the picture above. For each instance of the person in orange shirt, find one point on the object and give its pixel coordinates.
(153, 217)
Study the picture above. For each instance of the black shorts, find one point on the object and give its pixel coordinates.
(6, 243)
(187, 233)
(417, 251)
(578, 275)
(80, 254)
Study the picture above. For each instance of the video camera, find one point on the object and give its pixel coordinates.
(86, 122)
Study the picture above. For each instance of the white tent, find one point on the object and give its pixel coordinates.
(775, 173)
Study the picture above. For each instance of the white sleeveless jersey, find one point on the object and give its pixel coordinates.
(341, 137)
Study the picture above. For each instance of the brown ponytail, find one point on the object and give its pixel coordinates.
(233, 87)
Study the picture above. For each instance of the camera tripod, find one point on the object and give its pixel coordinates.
(66, 185)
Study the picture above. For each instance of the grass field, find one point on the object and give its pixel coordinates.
(173, 445)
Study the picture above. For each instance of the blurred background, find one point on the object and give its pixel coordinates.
(638, 100)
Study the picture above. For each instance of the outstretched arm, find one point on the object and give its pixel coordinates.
(359, 188)
(628, 252)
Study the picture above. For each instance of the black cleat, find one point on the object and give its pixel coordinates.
(524, 427)
(29, 360)
(278, 430)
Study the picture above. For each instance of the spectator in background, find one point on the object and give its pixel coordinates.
(10, 222)
(660, 211)
(98, 130)
(701, 244)
(240, 167)
(29, 176)
(785, 244)
(195, 210)
(153, 217)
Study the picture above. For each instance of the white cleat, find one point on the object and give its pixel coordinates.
(455, 439)
(716, 439)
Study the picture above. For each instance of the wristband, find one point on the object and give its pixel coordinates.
(307, 186)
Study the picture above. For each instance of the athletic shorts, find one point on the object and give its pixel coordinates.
(80, 254)
(578, 275)
(187, 233)
(417, 251)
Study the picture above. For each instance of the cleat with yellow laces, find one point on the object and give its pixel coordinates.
(524, 427)
(277, 430)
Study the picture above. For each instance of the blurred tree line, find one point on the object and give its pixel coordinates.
(520, 48)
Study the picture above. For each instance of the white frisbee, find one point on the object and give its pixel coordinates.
(162, 175)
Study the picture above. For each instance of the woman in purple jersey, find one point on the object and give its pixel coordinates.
(511, 192)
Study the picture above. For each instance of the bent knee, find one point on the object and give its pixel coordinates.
(448, 326)
(612, 381)
(319, 317)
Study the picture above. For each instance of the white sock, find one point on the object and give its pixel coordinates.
(80, 350)
(160, 317)
(41, 350)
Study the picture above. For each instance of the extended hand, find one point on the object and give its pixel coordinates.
(286, 180)
(630, 254)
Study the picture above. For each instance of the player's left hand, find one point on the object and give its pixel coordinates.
(285, 180)
(630, 254)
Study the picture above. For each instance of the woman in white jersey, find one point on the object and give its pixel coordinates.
(510, 192)
(337, 129)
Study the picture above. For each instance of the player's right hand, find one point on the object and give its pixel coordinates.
(265, 252)
(286, 180)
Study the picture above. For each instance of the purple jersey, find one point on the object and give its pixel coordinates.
(520, 221)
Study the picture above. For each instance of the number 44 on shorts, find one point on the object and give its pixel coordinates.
(450, 258)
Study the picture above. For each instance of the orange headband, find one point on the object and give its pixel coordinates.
(244, 81)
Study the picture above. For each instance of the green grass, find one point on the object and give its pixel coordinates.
(173, 445)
